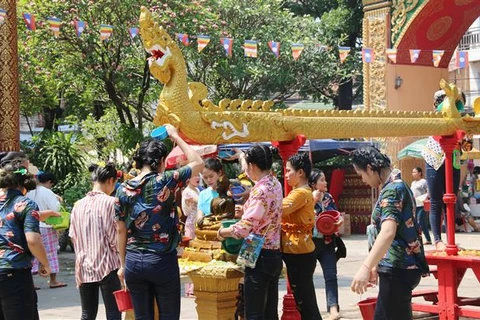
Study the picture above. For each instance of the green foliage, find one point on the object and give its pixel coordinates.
(75, 188)
(60, 153)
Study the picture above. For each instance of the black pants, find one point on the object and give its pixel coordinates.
(395, 294)
(300, 269)
(89, 297)
(17, 295)
(261, 286)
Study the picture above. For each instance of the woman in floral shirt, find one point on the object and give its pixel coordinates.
(262, 214)
(20, 241)
(148, 232)
(397, 255)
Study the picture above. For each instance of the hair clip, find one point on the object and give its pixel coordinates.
(21, 171)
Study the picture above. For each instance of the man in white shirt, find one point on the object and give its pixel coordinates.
(47, 200)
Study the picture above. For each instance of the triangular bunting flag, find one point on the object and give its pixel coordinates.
(79, 27)
(462, 59)
(227, 44)
(29, 21)
(437, 57)
(392, 55)
(343, 53)
(106, 31)
(54, 24)
(250, 48)
(297, 49)
(3, 15)
(202, 41)
(275, 47)
(368, 55)
(414, 54)
(183, 38)
(133, 32)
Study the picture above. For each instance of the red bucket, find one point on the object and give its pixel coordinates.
(124, 301)
(367, 308)
(326, 222)
(426, 205)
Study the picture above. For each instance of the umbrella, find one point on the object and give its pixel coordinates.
(413, 150)
(177, 157)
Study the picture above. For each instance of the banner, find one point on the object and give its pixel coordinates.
(79, 27)
(343, 53)
(3, 16)
(227, 44)
(106, 31)
(183, 38)
(29, 21)
(202, 41)
(54, 24)
(392, 55)
(414, 54)
(437, 57)
(275, 47)
(133, 32)
(250, 48)
(368, 55)
(462, 59)
(297, 49)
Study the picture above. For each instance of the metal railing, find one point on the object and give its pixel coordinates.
(471, 39)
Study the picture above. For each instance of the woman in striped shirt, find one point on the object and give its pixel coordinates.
(94, 237)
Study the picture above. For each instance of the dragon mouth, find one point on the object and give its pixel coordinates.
(159, 55)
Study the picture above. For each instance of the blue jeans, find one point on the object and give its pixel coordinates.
(325, 254)
(436, 188)
(18, 298)
(152, 276)
(422, 222)
(261, 286)
(300, 269)
(89, 297)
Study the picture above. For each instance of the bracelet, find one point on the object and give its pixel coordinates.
(364, 265)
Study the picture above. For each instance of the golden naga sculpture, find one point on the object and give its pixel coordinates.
(185, 105)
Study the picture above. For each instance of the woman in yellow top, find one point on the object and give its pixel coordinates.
(297, 245)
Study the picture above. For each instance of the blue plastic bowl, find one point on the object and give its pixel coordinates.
(159, 133)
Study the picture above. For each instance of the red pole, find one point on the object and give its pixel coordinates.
(285, 150)
(449, 143)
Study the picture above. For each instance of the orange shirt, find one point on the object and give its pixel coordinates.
(298, 221)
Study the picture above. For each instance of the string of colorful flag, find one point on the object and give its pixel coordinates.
(250, 46)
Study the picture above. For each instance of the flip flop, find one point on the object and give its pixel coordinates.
(59, 285)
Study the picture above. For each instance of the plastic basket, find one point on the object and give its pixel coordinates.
(123, 299)
(59, 223)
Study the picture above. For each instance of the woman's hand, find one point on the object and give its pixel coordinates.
(372, 283)
(340, 221)
(172, 131)
(121, 275)
(238, 211)
(360, 281)
(44, 271)
(219, 237)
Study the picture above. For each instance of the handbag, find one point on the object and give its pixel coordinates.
(251, 248)
(341, 249)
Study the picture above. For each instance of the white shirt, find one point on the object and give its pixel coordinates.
(419, 188)
(45, 199)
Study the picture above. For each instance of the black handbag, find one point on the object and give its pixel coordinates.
(340, 248)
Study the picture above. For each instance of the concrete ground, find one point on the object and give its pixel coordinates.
(64, 303)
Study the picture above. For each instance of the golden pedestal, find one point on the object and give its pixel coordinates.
(216, 294)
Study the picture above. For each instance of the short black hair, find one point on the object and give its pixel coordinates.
(301, 161)
(213, 164)
(46, 176)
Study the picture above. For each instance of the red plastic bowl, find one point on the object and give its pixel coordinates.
(326, 222)
(185, 241)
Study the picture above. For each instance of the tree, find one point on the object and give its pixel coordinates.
(338, 19)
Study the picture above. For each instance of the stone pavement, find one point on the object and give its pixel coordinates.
(64, 303)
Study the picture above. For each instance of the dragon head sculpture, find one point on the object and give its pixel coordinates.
(159, 44)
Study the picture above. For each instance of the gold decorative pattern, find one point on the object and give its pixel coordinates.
(186, 107)
(9, 100)
(439, 28)
(401, 9)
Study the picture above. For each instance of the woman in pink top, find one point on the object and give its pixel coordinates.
(262, 214)
(94, 236)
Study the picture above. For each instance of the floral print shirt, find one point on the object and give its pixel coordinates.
(18, 215)
(396, 203)
(262, 213)
(148, 209)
